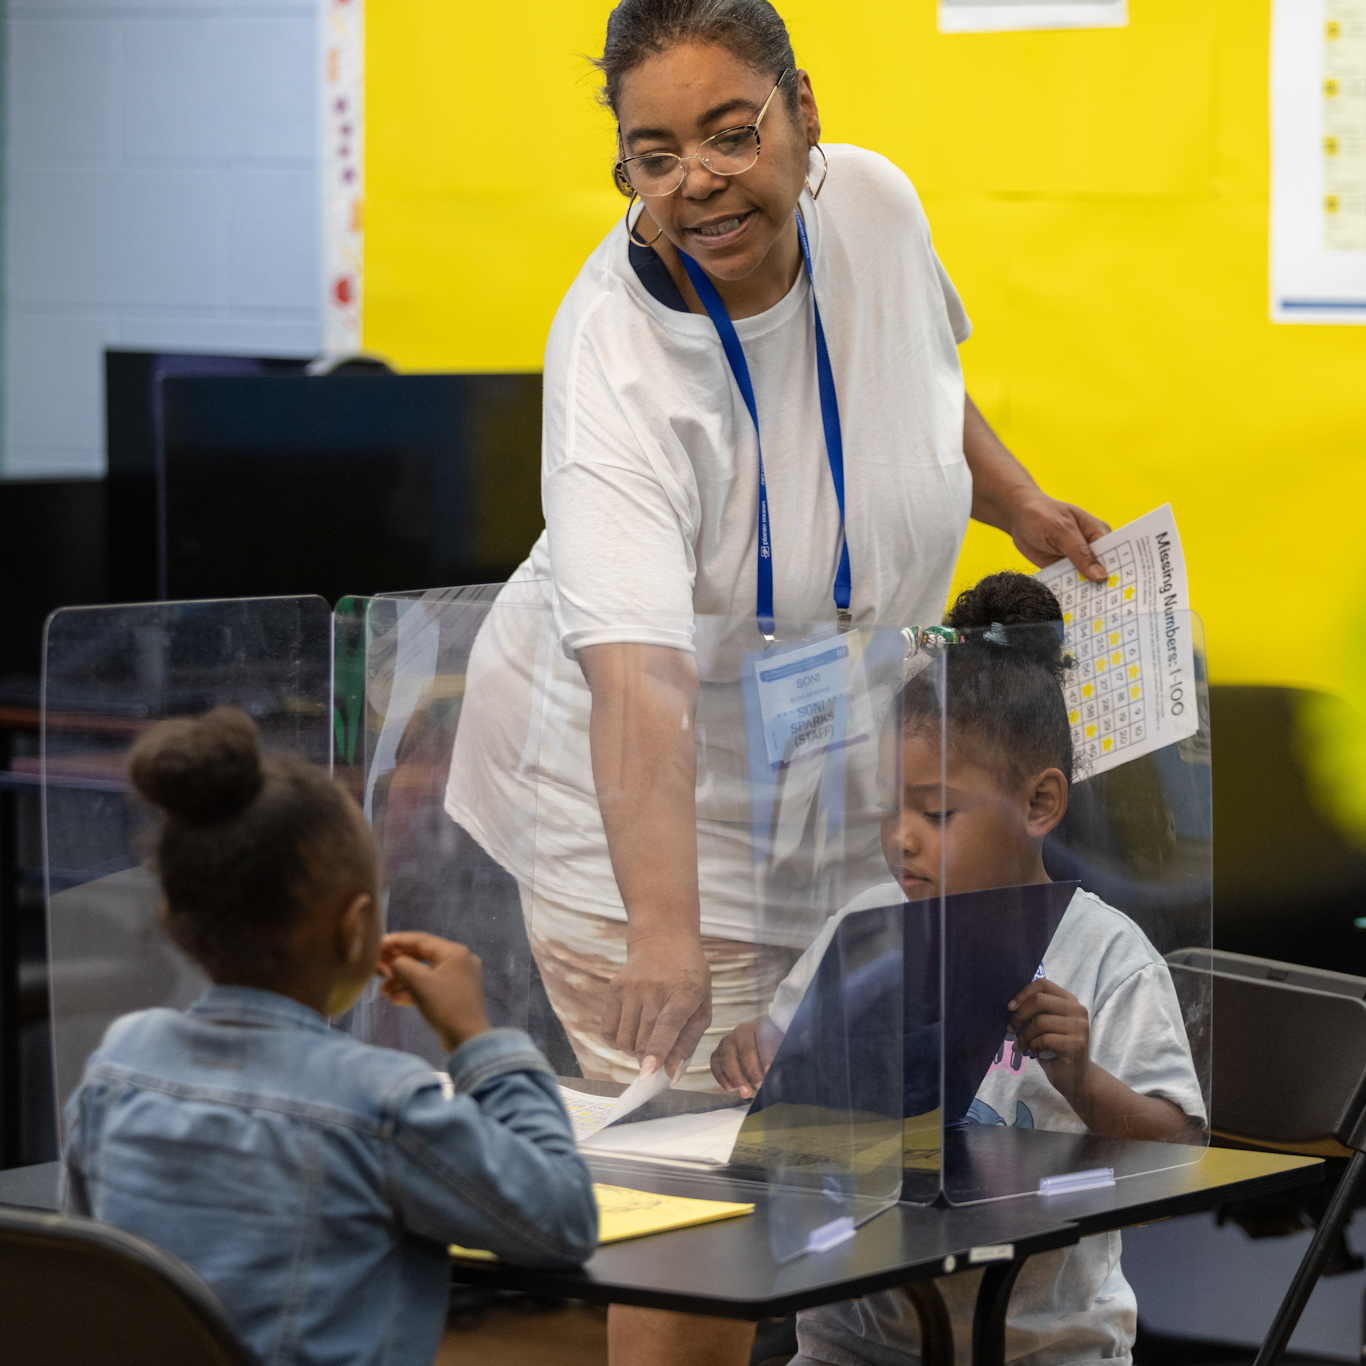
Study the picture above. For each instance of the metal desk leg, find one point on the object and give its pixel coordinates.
(1307, 1276)
(936, 1331)
(989, 1317)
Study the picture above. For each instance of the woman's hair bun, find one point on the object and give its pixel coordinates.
(201, 770)
(1010, 599)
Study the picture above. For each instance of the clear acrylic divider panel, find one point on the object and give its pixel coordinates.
(848, 1119)
(108, 674)
(743, 779)
(1076, 854)
(408, 703)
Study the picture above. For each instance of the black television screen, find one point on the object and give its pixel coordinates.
(135, 543)
(346, 483)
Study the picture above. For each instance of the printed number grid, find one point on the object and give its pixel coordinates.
(1105, 696)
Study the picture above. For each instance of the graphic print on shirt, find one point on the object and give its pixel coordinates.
(1009, 1058)
(979, 1112)
(1012, 1060)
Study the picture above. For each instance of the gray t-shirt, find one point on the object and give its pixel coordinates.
(1072, 1305)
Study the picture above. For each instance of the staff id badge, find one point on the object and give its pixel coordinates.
(803, 699)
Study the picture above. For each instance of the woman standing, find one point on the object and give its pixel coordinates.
(754, 410)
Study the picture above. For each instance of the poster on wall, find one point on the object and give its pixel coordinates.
(1318, 161)
(343, 164)
(999, 16)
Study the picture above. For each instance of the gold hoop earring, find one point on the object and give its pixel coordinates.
(825, 174)
(630, 232)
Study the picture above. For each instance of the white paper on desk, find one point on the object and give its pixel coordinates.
(1133, 689)
(588, 1113)
(707, 1136)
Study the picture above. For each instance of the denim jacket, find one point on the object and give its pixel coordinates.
(313, 1180)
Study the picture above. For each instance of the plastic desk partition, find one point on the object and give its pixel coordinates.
(475, 712)
(873, 891)
(1133, 841)
(108, 673)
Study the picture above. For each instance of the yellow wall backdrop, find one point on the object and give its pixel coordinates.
(1099, 197)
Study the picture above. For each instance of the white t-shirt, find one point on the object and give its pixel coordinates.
(650, 488)
(1073, 1304)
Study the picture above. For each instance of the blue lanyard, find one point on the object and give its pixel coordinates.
(830, 420)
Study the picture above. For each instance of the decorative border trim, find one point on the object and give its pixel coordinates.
(343, 173)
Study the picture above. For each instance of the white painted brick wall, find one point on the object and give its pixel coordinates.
(161, 192)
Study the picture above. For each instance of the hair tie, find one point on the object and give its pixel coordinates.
(997, 634)
(924, 639)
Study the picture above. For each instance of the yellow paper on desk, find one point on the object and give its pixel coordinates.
(920, 1142)
(624, 1213)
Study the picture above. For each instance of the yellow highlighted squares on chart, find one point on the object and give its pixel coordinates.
(1105, 723)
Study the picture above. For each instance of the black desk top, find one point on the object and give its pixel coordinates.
(992, 1162)
(728, 1269)
(1222, 1175)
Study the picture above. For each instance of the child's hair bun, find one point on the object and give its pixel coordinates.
(1011, 599)
(200, 770)
(1005, 599)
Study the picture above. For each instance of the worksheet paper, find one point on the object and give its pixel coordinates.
(1132, 690)
(705, 1137)
(996, 16)
(589, 1113)
(1318, 161)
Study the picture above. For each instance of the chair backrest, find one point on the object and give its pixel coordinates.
(1289, 1047)
(73, 1291)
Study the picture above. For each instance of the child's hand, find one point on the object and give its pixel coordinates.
(443, 980)
(741, 1059)
(1052, 1025)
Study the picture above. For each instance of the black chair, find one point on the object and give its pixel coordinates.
(75, 1291)
(1289, 1073)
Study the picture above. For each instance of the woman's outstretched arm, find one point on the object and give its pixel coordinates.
(1005, 496)
(645, 772)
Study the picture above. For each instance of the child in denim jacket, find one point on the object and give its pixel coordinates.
(312, 1180)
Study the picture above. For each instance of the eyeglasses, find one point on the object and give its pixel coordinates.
(728, 152)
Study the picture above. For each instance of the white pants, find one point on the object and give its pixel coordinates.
(579, 953)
